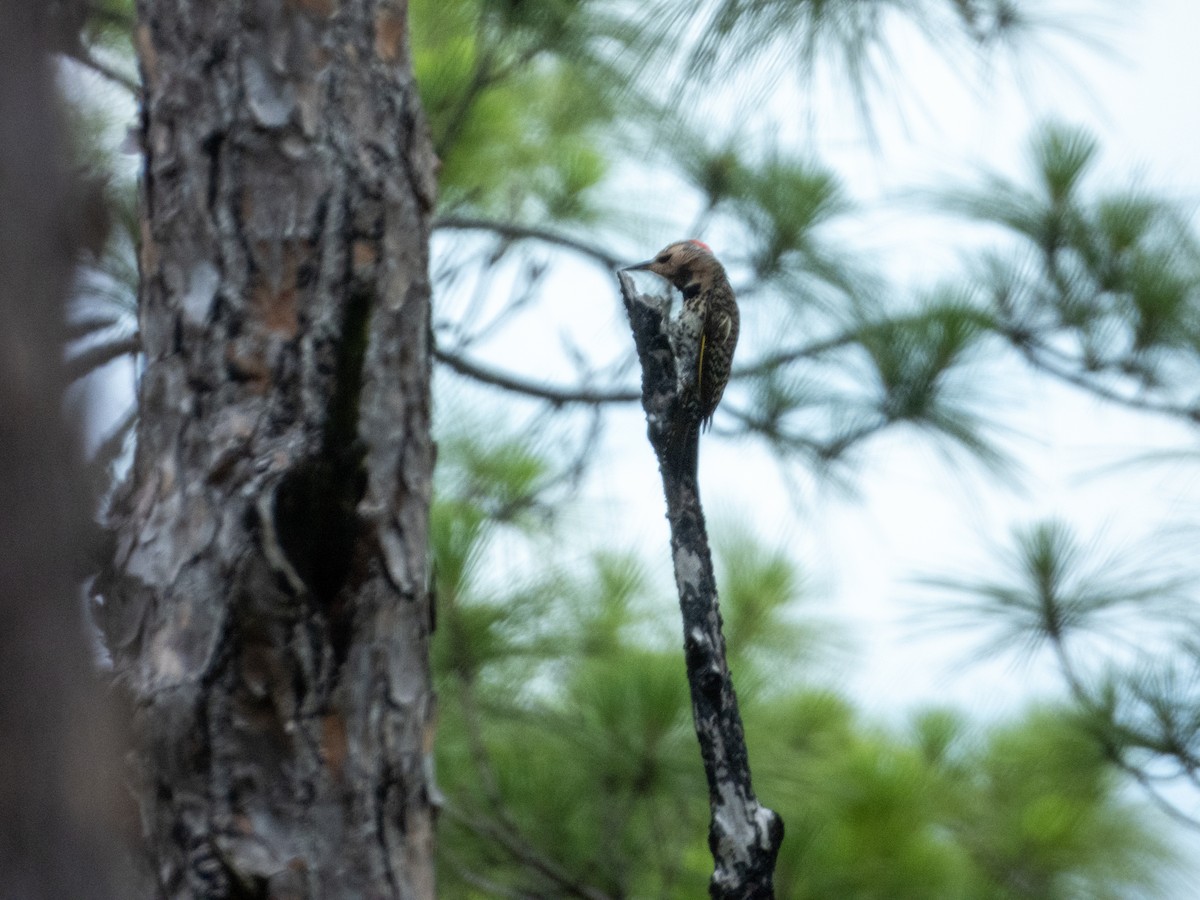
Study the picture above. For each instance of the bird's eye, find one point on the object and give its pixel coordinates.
(663, 257)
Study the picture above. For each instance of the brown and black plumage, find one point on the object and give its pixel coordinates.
(700, 277)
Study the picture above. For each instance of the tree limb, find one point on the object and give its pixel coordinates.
(807, 351)
(88, 361)
(86, 58)
(516, 232)
(523, 853)
(743, 836)
(1111, 749)
(1038, 357)
(558, 396)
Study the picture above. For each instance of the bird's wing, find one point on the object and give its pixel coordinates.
(725, 326)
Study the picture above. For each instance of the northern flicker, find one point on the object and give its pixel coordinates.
(707, 295)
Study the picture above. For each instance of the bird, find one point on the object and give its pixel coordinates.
(692, 267)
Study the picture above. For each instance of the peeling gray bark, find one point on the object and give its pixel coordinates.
(266, 603)
(743, 836)
(60, 812)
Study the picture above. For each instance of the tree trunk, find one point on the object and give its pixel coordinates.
(57, 814)
(267, 599)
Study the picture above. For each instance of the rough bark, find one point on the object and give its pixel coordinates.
(267, 600)
(56, 743)
(743, 836)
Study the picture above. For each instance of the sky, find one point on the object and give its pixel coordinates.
(916, 516)
(913, 514)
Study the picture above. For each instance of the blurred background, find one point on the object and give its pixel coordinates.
(952, 484)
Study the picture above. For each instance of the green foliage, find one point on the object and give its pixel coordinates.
(920, 369)
(760, 589)
(1116, 274)
(782, 203)
(519, 99)
(570, 768)
(109, 23)
(1043, 793)
(852, 39)
(1130, 611)
(1027, 809)
(1057, 590)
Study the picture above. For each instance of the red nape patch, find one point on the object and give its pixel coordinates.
(701, 245)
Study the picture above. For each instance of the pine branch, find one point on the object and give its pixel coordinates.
(1111, 749)
(502, 835)
(86, 58)
(515, 232)
(773, 361)
(1038, 357)
(743, 835)
(558, 396)
(88, 361)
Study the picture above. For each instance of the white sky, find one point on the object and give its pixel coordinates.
(916, 516)
(913, 514)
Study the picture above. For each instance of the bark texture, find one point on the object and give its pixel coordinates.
(57, 813)
(743, 836)
(267, 601)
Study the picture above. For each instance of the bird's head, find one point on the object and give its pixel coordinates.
(681, 263)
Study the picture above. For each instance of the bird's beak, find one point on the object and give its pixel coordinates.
(639, 267)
